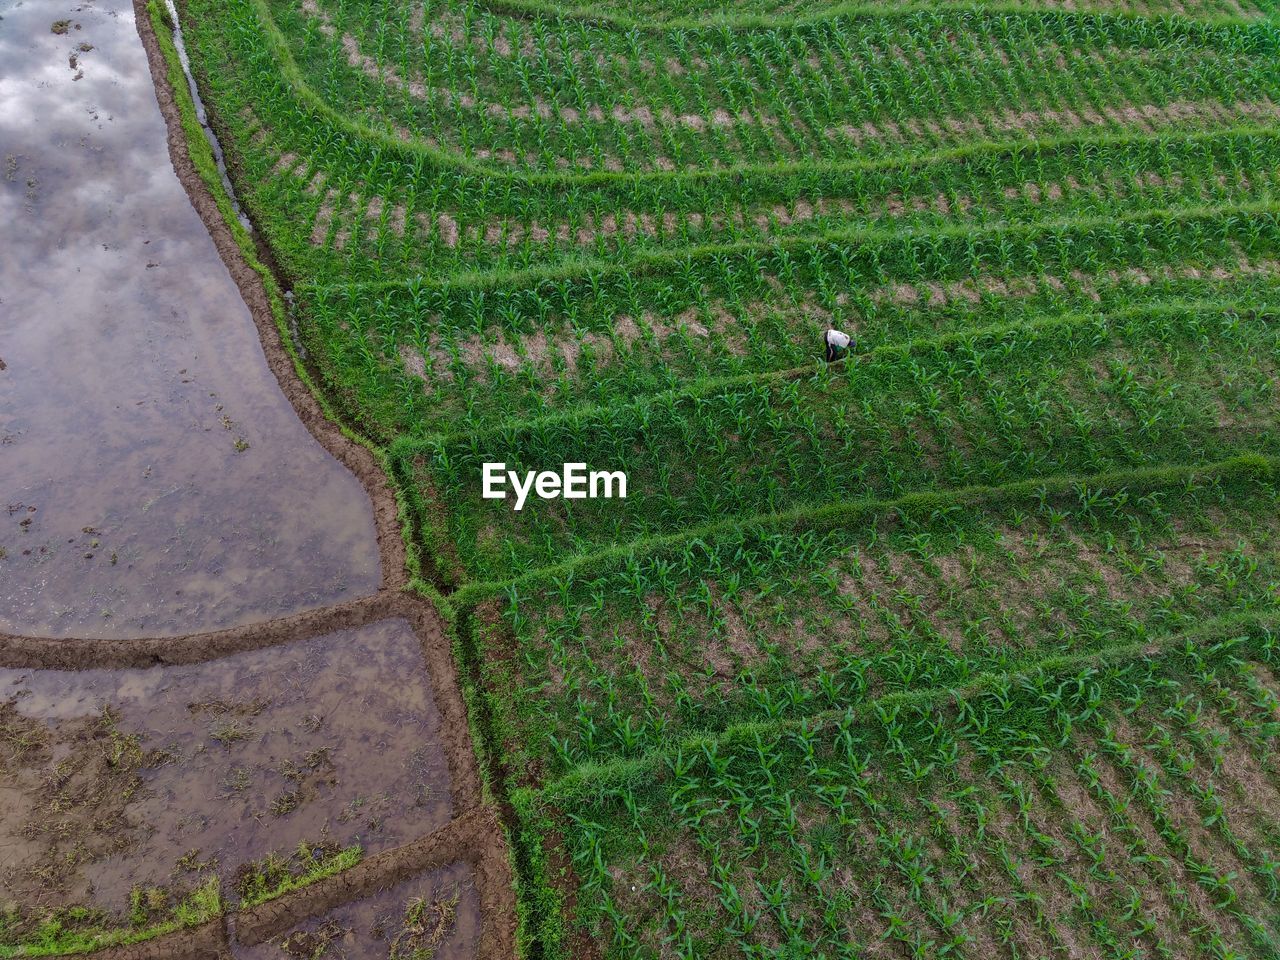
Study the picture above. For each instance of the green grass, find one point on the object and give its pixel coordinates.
(937, 826)
(1084, 398)
(961, 646)
(274, 876)
(621, 661)
(78, 930)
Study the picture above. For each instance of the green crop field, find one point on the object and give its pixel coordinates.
(966, 644)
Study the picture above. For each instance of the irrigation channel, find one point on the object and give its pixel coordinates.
(226, 731)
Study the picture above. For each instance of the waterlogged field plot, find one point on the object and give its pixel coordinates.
(153, 477)
(962, 645)
(143, 797)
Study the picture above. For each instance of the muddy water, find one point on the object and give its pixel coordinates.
(114, 779)
(153, 478)
(436, 915)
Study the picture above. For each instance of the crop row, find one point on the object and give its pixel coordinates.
(426, 357)
(361, 233)
(362, 208)
(254, 66)
(1120, 808)
(861, 85)
(587, 669)
(659, 15)
(1149, 387)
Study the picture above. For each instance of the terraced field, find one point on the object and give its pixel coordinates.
(963, 645)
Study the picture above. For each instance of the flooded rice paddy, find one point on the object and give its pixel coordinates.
(154, 479)
(124, 779)
(434, 915)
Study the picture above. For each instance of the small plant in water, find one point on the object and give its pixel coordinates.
(191, 862)
(426, 925)
(229, 732)
(312, 944)
(238, 780)
(286, 803)
(123, 751)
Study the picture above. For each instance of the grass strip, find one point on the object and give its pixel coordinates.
(738, 22)
(273, 877)
(73, 931)
(660, 262)
(977, 337)
(740, 530)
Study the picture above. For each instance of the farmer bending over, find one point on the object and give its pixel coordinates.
(838, 343)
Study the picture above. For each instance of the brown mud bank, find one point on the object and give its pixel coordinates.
(435, 915)
(154, 476)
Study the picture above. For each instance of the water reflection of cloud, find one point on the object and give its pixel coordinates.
(127, 343)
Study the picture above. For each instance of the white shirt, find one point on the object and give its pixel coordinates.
(837, 339)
